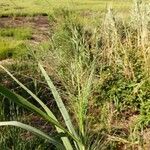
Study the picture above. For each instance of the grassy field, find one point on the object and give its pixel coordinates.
(81, 69)
(10, 29)
(24, 7)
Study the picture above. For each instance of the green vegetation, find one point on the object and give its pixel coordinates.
(12, 41)
(34, 7)
(10, 49)
(96, 65)
(48, 115)
(21, 33)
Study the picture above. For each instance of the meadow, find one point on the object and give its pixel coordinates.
(74, 75)
(35, 7)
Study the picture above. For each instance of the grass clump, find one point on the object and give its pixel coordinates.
(7, 49)
(105, 73)
(12, 42)
(21, 33)
(12, 49)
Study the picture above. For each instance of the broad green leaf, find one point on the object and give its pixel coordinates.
(59, 102)
(35, 131)
(61, 107)
(23, 102)
(47, 110)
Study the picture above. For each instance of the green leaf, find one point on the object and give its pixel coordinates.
(23, 102)
(47, 110)
(35, 131)
(59, 102)
(62, 108)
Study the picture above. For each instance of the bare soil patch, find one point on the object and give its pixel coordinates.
(42, 28)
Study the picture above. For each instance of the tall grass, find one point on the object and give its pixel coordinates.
(102, 74)
(109, 93)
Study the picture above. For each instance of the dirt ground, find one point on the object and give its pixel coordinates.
(42, 28)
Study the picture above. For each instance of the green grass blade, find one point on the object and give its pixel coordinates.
(59, 102)
(47, 110)
(35, 131)
(85, 96)
(23, 102)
